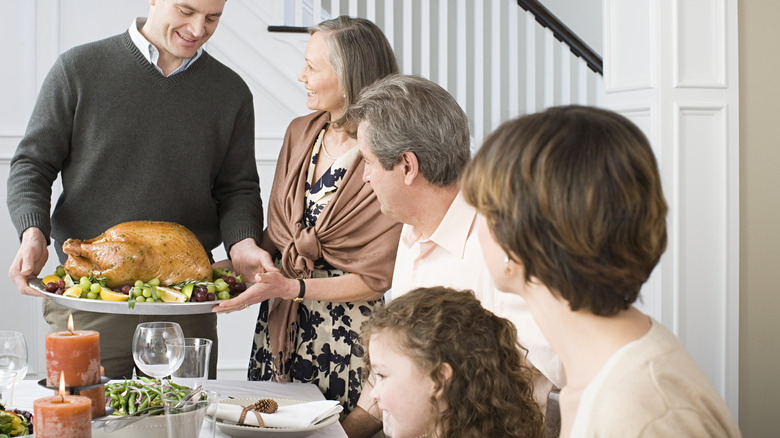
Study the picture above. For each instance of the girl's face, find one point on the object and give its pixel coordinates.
(322, 85)
(402, 391)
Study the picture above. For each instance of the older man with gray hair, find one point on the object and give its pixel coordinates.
(414, 138)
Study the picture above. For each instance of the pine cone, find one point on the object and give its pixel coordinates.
(265, 405)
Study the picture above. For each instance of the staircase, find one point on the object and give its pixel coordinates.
(494, 56)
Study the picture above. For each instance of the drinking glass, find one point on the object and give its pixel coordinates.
(158, 348)
(13, 357)
(7, 381)
(194, 369)
(187, 420)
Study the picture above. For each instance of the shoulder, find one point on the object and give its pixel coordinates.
(315, 120)
(99, 48)
(222, 75)
(657, 385)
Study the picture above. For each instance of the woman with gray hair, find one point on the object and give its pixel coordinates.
(330, 270)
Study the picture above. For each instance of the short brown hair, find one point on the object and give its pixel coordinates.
(490, 393)
(574, 195)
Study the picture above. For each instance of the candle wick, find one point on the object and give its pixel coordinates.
(62, 398)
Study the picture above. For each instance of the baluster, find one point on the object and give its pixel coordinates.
(530, 63)
(425, 38)
(565, 68)
(479, 71)
(496, 65)
(444, 47)
(316, 12)
(513, 49)
(407, 35)
(549, 68)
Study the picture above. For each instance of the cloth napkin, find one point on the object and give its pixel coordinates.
(289, 416)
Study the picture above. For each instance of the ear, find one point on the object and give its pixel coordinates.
(410, 167)
(445, 374)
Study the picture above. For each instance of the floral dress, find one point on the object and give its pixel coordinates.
(327, 346)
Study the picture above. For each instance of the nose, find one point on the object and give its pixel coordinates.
(366, 175)
(198, 26)
(302, 74)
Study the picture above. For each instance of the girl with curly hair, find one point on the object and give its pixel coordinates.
(446, 367)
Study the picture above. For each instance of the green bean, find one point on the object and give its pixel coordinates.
(131, 404)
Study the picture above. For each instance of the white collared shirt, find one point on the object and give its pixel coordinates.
(150, 52)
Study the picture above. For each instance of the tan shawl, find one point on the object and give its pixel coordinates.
(351, 232)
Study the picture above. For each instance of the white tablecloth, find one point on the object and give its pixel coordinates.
(29, 390)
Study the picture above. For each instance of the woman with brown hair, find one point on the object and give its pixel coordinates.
(447, 367)
(333, 249)
(574, 221)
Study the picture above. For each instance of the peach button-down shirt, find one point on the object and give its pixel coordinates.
(451, 256)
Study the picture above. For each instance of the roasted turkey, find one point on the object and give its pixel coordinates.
(139, 250)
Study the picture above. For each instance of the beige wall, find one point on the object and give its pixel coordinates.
(759, 316)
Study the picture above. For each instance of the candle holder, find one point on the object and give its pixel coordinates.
(75, 390)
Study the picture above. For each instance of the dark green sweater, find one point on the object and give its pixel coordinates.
(131, 144)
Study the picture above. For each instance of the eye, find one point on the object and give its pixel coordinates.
(379, 376)
(185, 13)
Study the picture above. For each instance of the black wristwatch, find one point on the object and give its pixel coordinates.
(301, 291)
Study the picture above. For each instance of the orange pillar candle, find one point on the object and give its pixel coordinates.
(62, 416)
(76, 353)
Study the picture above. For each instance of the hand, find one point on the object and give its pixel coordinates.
(29, 260)
(268, 285)
(249, 259)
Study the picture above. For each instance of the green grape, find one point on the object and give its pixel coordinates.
(92, 295)
(85, 283)
(211, 288)
(154, 282)
(139, 283)
(95, 288)
(60, 271)
(138, 291)
(223, 295)
(84, 293)
(147, 293)
(221, 285)
(140, 299)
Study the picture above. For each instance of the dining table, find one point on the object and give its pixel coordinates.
(27, 391)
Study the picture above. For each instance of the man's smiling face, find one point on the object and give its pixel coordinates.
(178, 28)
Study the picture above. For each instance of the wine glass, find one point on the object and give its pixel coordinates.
(13, 357)
(7, 380)
(158, 348)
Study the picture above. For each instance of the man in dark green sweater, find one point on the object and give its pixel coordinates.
(144, 125)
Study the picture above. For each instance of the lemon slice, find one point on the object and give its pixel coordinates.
(170, 295)
(109, 295)
(50, 279)
(73, 291)
(68, 281)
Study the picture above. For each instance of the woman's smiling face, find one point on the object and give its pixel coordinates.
(402, 391)
(322, 85)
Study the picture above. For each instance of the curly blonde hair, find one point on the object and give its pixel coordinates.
(490, 392)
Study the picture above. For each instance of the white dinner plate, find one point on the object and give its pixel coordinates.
(243, 431)
(121, 307)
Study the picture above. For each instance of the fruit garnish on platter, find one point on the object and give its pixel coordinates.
(224, 285)
(15, 422)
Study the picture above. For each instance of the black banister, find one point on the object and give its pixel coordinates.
(564, 34)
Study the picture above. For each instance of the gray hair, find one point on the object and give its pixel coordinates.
(412, 114)
(358, 52)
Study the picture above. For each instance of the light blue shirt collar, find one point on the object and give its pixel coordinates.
(150, 52)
